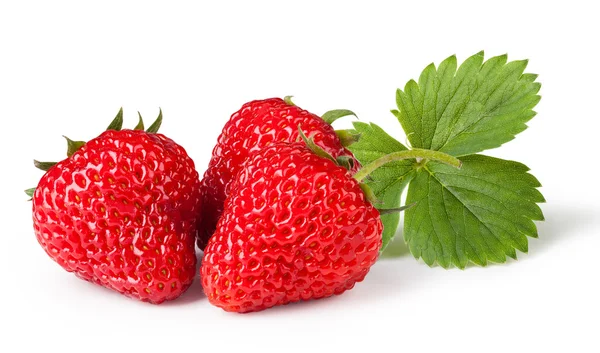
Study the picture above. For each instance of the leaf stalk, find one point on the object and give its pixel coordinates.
(415, 153)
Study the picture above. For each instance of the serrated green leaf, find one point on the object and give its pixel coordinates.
(388, 181)
(467, 109)
(480, 213)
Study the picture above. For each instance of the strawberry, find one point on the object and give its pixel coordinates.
(295, 226)
(121, 211)
(255, 126)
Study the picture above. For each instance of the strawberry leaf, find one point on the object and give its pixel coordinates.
(465, 110)
(482, 212)
(387, 182)
(479, 213)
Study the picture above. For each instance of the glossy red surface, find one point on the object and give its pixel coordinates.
(255, 126)
(122, 212)
(295, 226)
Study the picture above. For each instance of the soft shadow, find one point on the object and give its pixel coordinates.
(397, 247)
(195, 292)
(392, 277)
(562, 223)
(299, 307)
(397, 273)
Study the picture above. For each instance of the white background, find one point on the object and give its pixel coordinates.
(67, 67)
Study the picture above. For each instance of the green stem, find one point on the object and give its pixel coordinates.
(407, 154)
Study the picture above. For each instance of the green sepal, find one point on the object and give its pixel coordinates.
(73, 146)
(288, 100)
(45, 166)
(314, 147)
(346, 162)
(117, 123)
(156, 124)
(384, 211)
(30, 192)
(347, 137)
(370, 195)
(335, 114)
(140, 124)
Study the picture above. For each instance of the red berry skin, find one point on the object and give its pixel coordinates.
(255, 126)
(122, 212)
(295, 227)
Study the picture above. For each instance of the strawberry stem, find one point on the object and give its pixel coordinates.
(416, 153)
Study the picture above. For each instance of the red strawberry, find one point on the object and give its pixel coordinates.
(295, 226)
(121, 211)
(255, 126)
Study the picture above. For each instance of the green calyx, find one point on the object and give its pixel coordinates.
(347, 162)
(73, 146)
(30, 192)
(335, 114)
(117, 122)
(116, 125)
(140, 124)
(346, 136)
(310, 143)
(288, 100)
(153, 129)
(45, 166)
